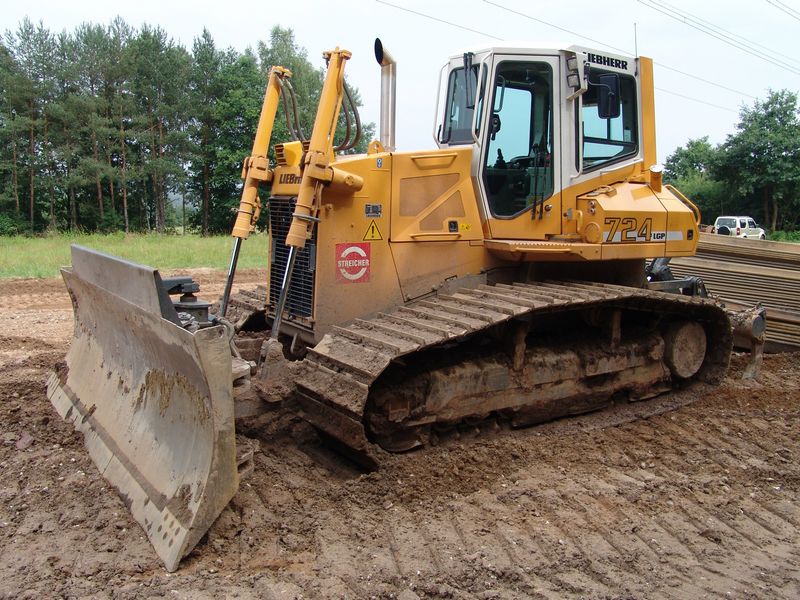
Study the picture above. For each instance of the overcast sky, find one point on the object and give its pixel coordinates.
(686, 107)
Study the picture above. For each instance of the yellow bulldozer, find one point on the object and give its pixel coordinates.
(502, 274)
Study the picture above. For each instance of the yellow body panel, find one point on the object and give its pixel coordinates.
(648, 110)
(424, 266)
(679, 219)
(433, 198)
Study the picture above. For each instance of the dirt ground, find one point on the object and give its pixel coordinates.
(697, 500)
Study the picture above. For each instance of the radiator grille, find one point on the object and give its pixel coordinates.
(280, 153)
(300, 301)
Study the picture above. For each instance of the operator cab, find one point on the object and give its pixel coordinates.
(540, 121)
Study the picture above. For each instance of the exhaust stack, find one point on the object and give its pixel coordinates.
(388, 95)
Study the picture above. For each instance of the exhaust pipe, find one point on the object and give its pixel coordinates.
(388, 95)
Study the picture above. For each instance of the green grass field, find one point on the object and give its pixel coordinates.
(42, 256)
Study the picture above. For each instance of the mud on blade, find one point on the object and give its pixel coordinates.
(153, 400)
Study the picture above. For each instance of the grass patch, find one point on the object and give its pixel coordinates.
(784, 236)
(42, 256)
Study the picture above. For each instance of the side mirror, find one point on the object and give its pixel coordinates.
(608, 104)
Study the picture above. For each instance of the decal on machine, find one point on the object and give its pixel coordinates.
(374, 211)
(353, 262)
(628, 229)
(373, 234)
(289, 179)
(607, 61)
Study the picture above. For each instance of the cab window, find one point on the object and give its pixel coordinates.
(517, 167)
(606, 140)
(462, 95)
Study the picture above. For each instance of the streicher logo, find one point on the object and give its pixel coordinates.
(353, 262)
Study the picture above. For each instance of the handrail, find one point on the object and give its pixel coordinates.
(692, 206)
(436, 130)
(444, 234)
(475, 115)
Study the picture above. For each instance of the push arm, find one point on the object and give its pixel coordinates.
(254, 171)
(317, 171)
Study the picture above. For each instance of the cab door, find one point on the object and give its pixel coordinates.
(519, 162)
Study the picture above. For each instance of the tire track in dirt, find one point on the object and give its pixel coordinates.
(551, 508)
(698, 518)
(596, 519)
(654, 540)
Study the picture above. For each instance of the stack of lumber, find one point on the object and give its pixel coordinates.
(743, 272)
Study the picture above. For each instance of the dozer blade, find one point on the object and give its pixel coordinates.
(153, 400)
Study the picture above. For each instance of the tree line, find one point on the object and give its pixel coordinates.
(110, 127)
(755, 172)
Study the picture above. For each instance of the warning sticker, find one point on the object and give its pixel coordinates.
(373, 210)
(373, 233)
(352, 262)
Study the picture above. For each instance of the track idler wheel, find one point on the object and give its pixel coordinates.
(684, 348)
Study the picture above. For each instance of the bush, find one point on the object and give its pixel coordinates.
(784, 236)
(111, 222)
(11, 225)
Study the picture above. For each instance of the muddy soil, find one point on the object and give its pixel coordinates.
(693, 495)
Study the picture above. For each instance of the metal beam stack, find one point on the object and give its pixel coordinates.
(743, 272)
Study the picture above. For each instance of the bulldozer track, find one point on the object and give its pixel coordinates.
(246, 302)
(340, 370)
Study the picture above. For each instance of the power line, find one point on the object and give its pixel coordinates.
(575, 33)
(779, 56)
(712, 30)
(719, 85)
(660, 64)
(670, 92)
(432, 18)
(782, 6)
(694, 24)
